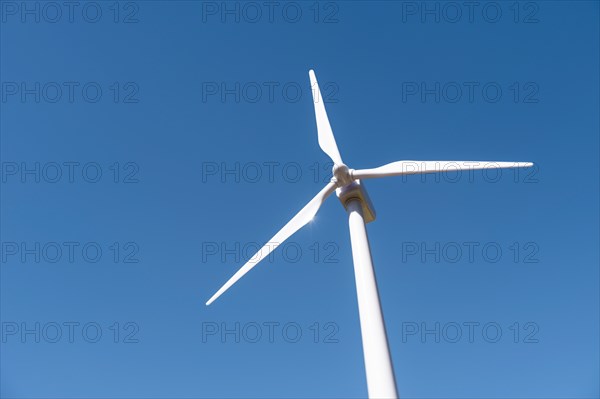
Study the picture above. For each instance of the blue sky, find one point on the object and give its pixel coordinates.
(148, 146)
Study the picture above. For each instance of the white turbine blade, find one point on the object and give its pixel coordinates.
(302, 218)
(326, 139)
(419, 167)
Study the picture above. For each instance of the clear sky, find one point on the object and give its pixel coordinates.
(147, 147)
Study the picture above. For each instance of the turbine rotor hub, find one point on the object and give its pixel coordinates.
(342, 174)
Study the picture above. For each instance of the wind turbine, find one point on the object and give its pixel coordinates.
(351, 192)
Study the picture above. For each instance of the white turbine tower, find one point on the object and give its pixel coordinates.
(351, 192)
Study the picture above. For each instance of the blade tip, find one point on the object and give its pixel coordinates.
(211, 300)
